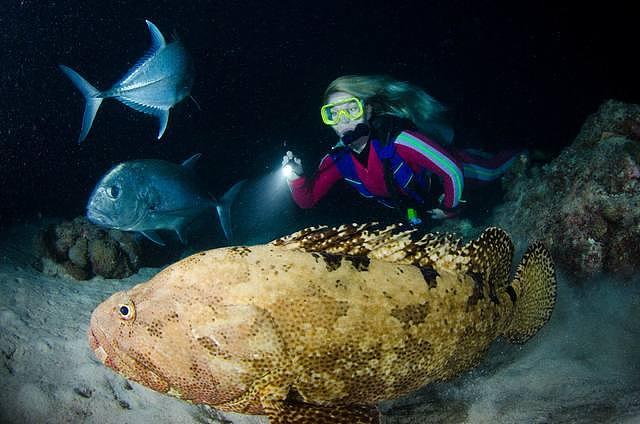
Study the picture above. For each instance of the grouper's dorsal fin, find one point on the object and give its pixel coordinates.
(349, 239)
(436, 250)
(392, 243)
(490, 256)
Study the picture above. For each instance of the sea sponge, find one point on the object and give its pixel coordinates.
(78, 252)
(107, 260)
(82, 250)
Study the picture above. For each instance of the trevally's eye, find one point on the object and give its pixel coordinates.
(127, 311)
(113, 191)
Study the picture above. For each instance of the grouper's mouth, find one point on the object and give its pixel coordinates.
(97, 346)
(124, 364)
(98, 350)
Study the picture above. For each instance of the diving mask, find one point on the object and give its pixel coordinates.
(351, 108)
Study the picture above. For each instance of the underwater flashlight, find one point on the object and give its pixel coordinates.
(287, 171)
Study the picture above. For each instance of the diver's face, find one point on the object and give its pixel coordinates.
(345, 124)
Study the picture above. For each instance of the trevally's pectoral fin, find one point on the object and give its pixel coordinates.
(153, 236)
(181, 236)
(196, 102)
(182, 213)
(191, 162)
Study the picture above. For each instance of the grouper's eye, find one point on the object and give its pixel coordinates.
(113, 191)
(127, 312)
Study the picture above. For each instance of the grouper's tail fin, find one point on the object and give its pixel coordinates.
(533, 292)
(92, 98)
(224, 208)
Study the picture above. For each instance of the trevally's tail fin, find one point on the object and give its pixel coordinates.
(91, 96)
(224, 208)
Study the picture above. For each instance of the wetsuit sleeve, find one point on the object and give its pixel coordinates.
(307, 193)
(421, 153)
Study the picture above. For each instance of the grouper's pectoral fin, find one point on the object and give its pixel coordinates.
(284, 405)
(302, 413)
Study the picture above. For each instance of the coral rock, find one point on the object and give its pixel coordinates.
(585, 204)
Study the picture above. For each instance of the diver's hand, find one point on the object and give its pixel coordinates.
(444, 213)
(438, 214)
(291, 166)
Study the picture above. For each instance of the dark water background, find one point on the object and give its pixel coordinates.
(518, 73)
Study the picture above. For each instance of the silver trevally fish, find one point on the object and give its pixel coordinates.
(150, 194)
(159, 80)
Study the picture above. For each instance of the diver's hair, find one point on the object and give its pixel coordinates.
(400, 99)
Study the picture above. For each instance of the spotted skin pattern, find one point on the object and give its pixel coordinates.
(320, 325)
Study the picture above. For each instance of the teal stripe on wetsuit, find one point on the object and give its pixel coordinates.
(439, 159)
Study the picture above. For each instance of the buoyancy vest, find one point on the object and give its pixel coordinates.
(403, 176)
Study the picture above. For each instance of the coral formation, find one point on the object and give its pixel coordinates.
(585, 204)
(84, 250)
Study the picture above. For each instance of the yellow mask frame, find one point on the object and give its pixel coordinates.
(352, 112)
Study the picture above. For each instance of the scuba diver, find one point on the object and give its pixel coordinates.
(391, 148)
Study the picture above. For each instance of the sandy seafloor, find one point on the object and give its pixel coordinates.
(583, 367)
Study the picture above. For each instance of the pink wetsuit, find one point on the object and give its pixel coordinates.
(420, 153)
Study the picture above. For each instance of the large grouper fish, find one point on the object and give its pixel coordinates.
(160, 79)
(320, 325)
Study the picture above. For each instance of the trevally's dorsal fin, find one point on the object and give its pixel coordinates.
(393, 243)
(157, 39)
(157, 43)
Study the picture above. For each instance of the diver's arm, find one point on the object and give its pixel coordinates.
(420, 152)
(308, 192)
